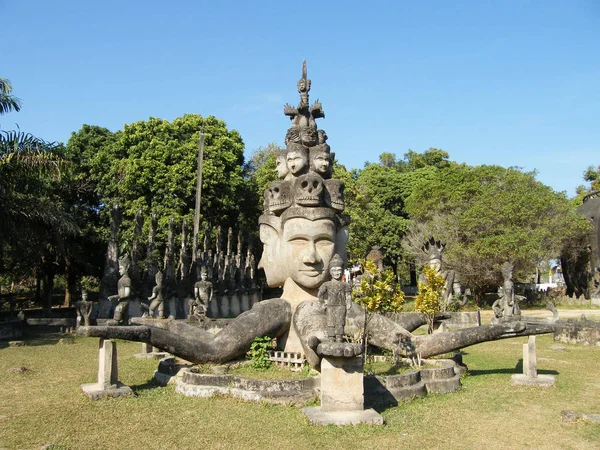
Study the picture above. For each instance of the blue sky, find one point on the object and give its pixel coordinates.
(514, 83)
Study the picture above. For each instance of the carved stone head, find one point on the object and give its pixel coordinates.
(334, 194)
(308, 190)
(297, 159)
(320, 161)
(158, 278)
(281, 164)
(279, 196)
(124, 264)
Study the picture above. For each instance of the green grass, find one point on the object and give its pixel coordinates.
(45, 405)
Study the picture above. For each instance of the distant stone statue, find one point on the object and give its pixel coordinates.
(157, 298)
(335, 295)
(506, 308)
(121, 314)
(203, 294)
(84, 309)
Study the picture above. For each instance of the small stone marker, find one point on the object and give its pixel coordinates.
(148, 351)
(530, 376)
(17, 369)
(108, 384)
(66, 341)
(16, 344)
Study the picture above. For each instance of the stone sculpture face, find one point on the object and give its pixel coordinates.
(280, 196)
(296, 161)
(123, 266)
(281, 166)
(321, 163)
(308, 190)
(306, 248)
(158, 278)
(336, 272)
(335, 194)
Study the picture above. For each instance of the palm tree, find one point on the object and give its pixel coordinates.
(8, 102)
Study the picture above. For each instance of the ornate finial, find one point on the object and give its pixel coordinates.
(336, 261)
(507, 269)
(124, 261)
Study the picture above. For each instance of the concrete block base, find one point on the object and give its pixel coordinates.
(342, 418)
(539, 381)
(95, 391)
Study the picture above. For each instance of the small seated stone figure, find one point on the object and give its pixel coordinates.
(121, 314)
(203, 294)
(157, 298)
(506, 308)
(335, 295)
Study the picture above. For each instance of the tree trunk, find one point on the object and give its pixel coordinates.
(413, 274)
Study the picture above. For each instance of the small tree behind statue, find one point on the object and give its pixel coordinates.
(429, 300)
(376, 293)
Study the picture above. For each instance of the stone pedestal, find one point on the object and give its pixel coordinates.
(151, 352)
(342, 384)
(342, 388)
(108, 384)
(530, 376)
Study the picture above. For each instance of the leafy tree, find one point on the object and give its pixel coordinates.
(429, 299)
(260, 170)
(376, 205)
(152, 164)
(487, 215)
(376, 293)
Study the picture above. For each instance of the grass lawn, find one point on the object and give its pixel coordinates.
(45, 405)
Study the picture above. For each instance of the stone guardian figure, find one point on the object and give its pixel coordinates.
(335, 296)
(121, 314)
(203, 294)
(157, 298)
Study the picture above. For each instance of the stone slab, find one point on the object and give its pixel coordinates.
(539, 381)
(342, 418)
(17, 344)
(155, 355)
(95, 391)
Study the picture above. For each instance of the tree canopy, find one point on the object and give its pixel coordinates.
(488, 215)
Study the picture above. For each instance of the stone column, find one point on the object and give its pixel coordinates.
(108, 384)
(530, 376)
(529, 358)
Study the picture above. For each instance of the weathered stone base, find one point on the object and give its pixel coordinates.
(154, 355)
(342, 418)
(520, 379)
(95, 391)
(272, 391)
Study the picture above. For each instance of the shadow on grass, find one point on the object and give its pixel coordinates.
(38, 339)
(518, 369)
(148, 385)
